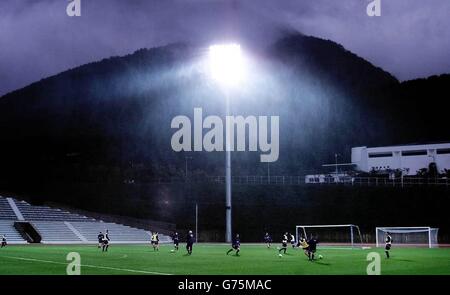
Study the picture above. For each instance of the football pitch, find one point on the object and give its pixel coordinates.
(211, 259)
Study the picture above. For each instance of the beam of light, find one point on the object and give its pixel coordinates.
(226, 64)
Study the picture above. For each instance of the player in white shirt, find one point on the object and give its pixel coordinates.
(292, 241)
(388, 241)
(105, 242)
(4, 243)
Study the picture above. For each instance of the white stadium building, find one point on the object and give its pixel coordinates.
(408, 158)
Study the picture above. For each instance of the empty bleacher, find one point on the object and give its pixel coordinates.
(55, 232)
(57, 226)
(6, 213)
(11, 234)
(45, 213)
(90, 230)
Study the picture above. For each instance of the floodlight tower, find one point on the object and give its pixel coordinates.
(227, 69)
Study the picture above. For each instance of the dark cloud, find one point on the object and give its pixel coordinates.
(37, 39)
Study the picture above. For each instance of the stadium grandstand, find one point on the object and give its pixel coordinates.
(24, 223)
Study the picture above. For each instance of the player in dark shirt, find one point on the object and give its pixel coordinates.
(189, 242)
(312, 247)
(388, 241)
(284, 242)
(176, 241)
(235, 245)
(100, 239)
(4, 243)
(267, 239)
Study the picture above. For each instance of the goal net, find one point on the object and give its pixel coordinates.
(340, 234)
(408, 236)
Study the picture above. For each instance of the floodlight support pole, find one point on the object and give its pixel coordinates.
(196, 222)
(226, 68)
(335, 159)
(228, 173)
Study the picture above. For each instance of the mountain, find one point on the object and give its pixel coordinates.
(109, 121)
(422, 109)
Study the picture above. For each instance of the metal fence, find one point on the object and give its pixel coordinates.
(381, 181)
(260, 180)
(301, 180)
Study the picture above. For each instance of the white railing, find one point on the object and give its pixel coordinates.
(380, 181)
(306, 180)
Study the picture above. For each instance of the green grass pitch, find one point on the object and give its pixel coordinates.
(211, 259)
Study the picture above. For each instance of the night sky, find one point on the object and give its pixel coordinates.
(37, 39)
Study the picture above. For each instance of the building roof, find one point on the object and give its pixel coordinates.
(410, 146)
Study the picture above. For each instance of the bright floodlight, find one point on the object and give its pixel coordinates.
(226, 63)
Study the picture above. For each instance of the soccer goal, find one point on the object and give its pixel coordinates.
(408, 236)
(337, 234)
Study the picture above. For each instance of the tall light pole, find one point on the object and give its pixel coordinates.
(335, 160)
(229, 227)
(196, 222)
(227, 69)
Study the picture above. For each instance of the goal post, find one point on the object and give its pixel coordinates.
(342, 234)
(408, 236)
